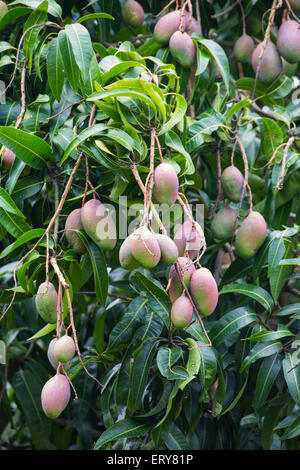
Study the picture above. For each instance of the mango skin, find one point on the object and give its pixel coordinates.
(168, 249)
(64, 349)
(250, 235)
(73, 222)
(98, 224)
(182, 312)
(166, 26)
(243, 48)
(289, 69)
(176, 287)
(224, 223)
(295, 5)
(166, 184)
(8, 156)
(189, 238)
(126, 258)
(183, 49)
(232, 182)
(288, 41)
(46, 302)
(50, 354)
(55, 395)
(145, 248)
(204, 291)
(271, 65)
(133, 13)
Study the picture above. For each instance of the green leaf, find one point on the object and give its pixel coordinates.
(159, 300)
(13, 14)
(25, 238)
(93, 16)
(55, 69)
(259, 351)
(175, 439)
(28, 147)
(272, 137)
(99, 267)
(38, 16)
(68, 59)
(176, 116)
(280, 274)
(230, 323)
(266, 335)
(165, 360)
(217, 53)
(139, 374)
(268, 372)
(257, 293)
(8, 204)
(292, 431)
(291, 371)
(126, 428)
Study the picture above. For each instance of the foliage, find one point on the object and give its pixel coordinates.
(87, 90)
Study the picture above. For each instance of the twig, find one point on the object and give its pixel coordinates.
(23, 96)
(285, 153)
(217, 15)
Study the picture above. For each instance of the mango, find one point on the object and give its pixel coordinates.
(243, 48)
(166, 26)
(295, 5)
(176, 288)
(55, 395)
(182, 312)
(250, 235)
(189, 238)
(133, 13)
(232, 182)
(224, 223)
(183, 49)
(289, 69)
(145, 247)
(8, 156)
(271, 65)
(166, 184)
(168, 249)
(73, 222)
(46, 302)
(126, 258)
(204, 291)
(64, 348)
(98, 224)
(288, 41)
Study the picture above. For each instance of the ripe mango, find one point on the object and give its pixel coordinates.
(166, 184)
(182, 312)
(204, 291)
(168, 249)
(183, 49)
(243, 48)
(145, 248)
(223, 223)
(271, 65)
(232, 182)
(55, 395)
(98, 224)
(289, 69)
(250, 235)
(73, 222)
(295, 5)
(176, 288)
(133, 13)
(166, 26)
(189, 238)
(126, 258)
(8, 156)
(288, 41)
(64, 348)
(46, 302)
